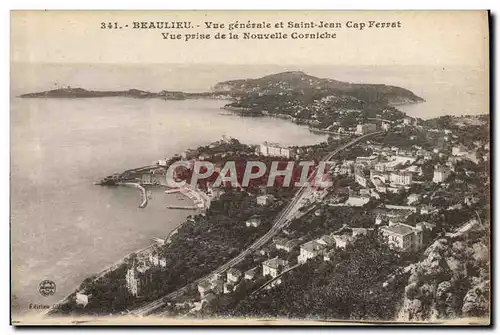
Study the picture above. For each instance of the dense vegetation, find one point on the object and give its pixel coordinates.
(350, 286)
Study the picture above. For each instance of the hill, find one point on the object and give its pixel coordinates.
(298, 82)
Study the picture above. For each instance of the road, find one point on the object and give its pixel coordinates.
(281, 221)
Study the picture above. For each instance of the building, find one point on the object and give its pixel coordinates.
(370, 160)
(379, 167)
(146, 179)
(228, 288)
(82, 298)
(137, 278)
(233, 275)
(217, 285)
(413, 198)
(265, 200)
(441, 173)
(356, 201)
(359, 231)
(156, 260)
(274, 149)
(326, 240)
(204, 288)
(341, 241)
(252, 273)
(310, 250)
(328, 256)
(365, 128)
(459, 150)
(286, 245)
(344, 169)
(379, 184)
(407, 121)
(359, 176)
(401, 178)
(404, 237)
(253, 222)
(273, 267)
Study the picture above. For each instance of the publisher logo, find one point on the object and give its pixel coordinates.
(47, 288)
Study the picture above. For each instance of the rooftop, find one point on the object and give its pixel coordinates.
(274, 262)
(234, 272)
(312, 246)
(326, 240)
(205, 285)
(252, 271)
(399, 229)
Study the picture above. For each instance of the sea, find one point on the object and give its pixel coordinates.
(64, 228)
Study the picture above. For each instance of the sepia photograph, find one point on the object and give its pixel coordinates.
(250, 168)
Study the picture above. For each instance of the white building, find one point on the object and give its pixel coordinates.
(359, 176)
(252, 273)
(204, 288)
(228, 288)
(233, 275)
(341, 241)
(356, 201)
(441, 173)
(407, 121)
(264, 200)
(273, 267)
(404, 237)
(286, 245)
(137, 278)
(82, 298)
(412, 198)
(459, 150)
(253, 222)
(369, 161)
(274, 149)
(401, 178)
(365, 128)
(310, 250)
(156, 260)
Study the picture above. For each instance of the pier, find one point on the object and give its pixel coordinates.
(174, 190)
(144, 197)
(181, 207)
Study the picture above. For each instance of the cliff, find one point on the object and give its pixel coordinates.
(453, 281)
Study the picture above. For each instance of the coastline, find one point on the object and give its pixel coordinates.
(109, 268)
(245, 112)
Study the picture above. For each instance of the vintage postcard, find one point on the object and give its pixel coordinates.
(250, 167)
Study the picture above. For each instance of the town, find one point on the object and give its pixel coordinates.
(409, 186)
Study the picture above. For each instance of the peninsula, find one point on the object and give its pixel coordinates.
(289, 84)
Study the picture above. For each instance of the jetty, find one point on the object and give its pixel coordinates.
(144, 197)
(182, 207)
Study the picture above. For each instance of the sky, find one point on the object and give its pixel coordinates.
(439, 38)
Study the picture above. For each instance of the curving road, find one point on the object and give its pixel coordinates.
(281, 221)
